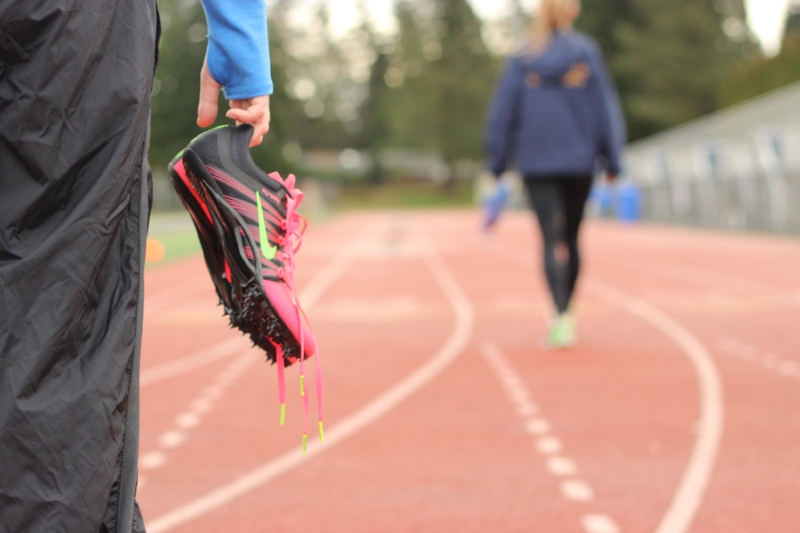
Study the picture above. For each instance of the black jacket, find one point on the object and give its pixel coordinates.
(75, 82)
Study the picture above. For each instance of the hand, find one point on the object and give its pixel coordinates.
(253, 111)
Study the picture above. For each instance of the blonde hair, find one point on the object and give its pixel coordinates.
(553, 15)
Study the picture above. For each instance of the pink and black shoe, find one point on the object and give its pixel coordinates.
(249, 230)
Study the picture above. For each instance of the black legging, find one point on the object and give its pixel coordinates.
(558, 202)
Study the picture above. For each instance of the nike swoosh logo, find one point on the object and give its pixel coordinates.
(266, 249)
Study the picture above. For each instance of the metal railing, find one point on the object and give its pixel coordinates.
(757, 203)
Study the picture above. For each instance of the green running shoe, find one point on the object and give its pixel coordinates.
(562, 332)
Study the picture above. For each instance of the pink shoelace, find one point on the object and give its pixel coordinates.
(295, 226)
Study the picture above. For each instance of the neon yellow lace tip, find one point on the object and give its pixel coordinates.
(321, 432)
(305, 442)
(302, 385)
(283, 413)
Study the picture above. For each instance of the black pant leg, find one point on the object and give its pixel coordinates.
(576, 192)
(547, 200)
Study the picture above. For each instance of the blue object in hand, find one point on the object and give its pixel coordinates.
(494, 205)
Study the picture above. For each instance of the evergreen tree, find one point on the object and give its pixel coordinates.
(464, 78)
(760, 75)
(176, 88)
(792, 25)
(672, 58)
(410, 102)
(602, 19)
(444, 77)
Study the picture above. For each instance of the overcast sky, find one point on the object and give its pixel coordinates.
(765, 17)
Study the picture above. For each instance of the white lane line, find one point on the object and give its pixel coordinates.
(308, 297)
(171, 439)
(675, 270)
(186, 364)
(598, 523)
(770, 361)
(548, 445)
(689, 495)
(185, 421)
(559, 466)
(538, 426)
(789, 369)
(577, 490)
(152, 460)
(176, 293)
(562, 466)
(462, 331)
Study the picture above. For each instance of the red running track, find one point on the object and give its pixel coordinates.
(676, 412)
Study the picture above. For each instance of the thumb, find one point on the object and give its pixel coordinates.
(209, 94)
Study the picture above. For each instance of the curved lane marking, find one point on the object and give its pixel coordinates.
(309, 296)
(448, 353)
(687, 499)
(677, 269)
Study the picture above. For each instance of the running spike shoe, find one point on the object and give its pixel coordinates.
(249, 229)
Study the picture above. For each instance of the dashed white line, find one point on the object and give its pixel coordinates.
(576, 490)
(562, 466)
(171, 439)
(152, 460)
(548, 445)
(526, 409)
(201, 405)
(689, 495)
(598, 523)
(175, 437)
(572, 489)
(455, 344)
(538, 426)
(187, 420)
(186, 364)
(788, 368)
(769, 361)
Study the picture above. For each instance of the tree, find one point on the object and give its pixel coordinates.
(443, 77)
(672, 57)
(759, 75)
(792, 25)
(177, 81)
(464, 78)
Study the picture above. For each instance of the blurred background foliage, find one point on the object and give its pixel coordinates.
(366, 107)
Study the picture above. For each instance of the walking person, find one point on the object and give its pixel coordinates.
(75, 86)
(556, 116)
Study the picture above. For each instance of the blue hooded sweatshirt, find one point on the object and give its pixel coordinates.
(238, 47)
(556, 113)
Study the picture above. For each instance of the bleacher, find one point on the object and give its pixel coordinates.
(738, 168)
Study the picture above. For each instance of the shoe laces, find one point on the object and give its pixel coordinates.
(294, 227)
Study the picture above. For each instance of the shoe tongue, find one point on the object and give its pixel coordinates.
(242, 134)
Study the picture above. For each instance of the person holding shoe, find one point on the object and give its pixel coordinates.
(76, 79)
(556, 115)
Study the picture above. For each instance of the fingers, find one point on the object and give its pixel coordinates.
(209, 94)
(253, 111)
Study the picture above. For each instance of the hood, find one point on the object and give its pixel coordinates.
(565, 52)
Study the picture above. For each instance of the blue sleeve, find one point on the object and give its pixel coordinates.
(238, 47)
(504, 119)
(613, 134)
